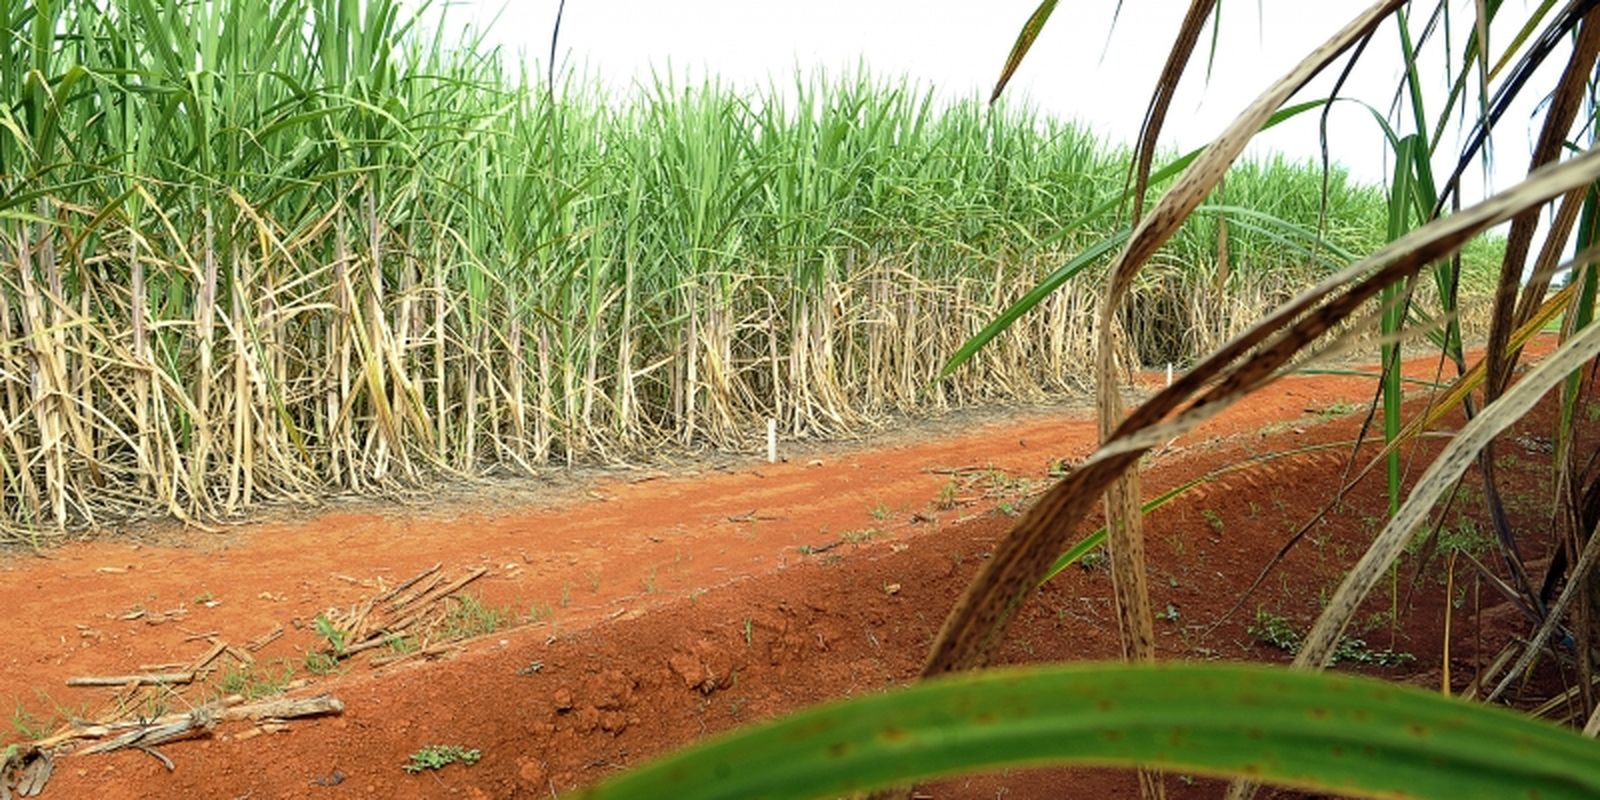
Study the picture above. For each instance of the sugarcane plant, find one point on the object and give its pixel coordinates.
(279, 250)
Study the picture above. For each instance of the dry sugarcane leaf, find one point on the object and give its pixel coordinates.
(1564, 105)
(1155, 114)
(1124, 522)
(1195, 183)
(1030, 32)
(982, 612)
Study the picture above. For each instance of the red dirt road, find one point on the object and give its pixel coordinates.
(678, 606)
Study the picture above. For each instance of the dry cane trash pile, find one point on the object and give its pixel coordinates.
(409, 621)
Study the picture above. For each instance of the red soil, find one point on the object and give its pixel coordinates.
(683, 605)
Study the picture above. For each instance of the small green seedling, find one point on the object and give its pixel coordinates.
(332, 633)
(439, 756)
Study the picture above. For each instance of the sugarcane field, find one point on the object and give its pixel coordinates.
(710, 399)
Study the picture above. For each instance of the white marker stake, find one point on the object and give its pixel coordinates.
(772, 441)
(1169, 373)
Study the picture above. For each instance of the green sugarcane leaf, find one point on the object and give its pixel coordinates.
(1316, 731)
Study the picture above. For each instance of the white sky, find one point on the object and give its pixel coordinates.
(1072, 72)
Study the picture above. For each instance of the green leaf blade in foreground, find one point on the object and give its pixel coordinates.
(1318, 731)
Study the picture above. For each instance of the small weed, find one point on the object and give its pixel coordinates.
(401, 645)
(539, 612)
(649, 581)
(1170, 615)
(154, 705)
(947, 496)
(1255, 510)
(1377, 620)
(439, 756)
(880, 512)
(862, 535)
(1356, 651)
(1093, 560)
(1002, 483)
(335, 636)
(317, 662)
(1009, 508)
(1214, 520)
(566, 595)
(1275, 630)
(1465, 538)
(594, 581)
(1338, 410)
(253, 681)
(27, 725)
(1276, 427)
(469, 617)
(1059, 467)
(749, 632)
(205, 599)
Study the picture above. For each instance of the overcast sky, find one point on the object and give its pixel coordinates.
(1084, 66)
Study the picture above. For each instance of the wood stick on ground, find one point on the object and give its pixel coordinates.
(169, 666)
(1490, 672)
(285, 708)
(145, 679)
(361, 621)
(407, 597)
(211, 655)
(412, 581)
(169, 725)
(157, 755)
(151, 735)
(255, 645)
(1565, 698)
(448, 589)
(379, 637)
